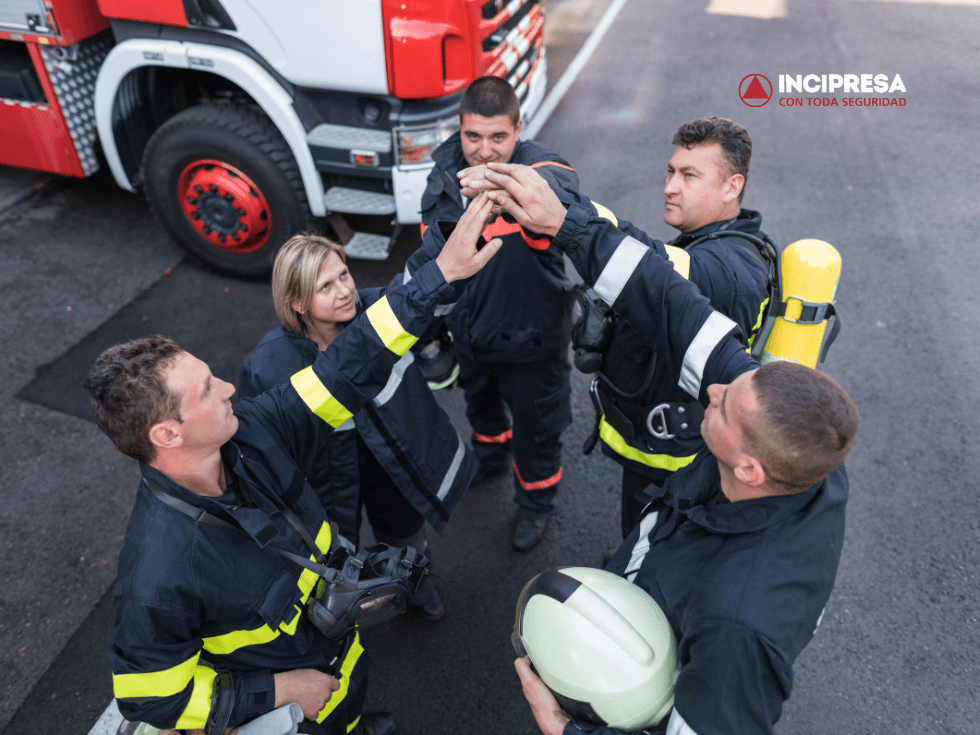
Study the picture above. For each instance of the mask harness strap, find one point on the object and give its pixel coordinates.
(202, 516)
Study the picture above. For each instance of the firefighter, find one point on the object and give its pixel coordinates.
(210, 628)
(400, 457)
(719, 251)
(509, 330)
(741, 549)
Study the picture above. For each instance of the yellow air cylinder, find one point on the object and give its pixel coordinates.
(810, 271)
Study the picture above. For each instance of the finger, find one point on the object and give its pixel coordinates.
(334, 684)
(508, 183)
(484, 254)
(475, 171)
(511, 207)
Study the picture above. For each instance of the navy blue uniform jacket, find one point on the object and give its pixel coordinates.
(511, 311)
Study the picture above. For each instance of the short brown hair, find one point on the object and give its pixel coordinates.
(807, 426)
(490, 97)
(294, 276)
(734, 140)
(130, 394)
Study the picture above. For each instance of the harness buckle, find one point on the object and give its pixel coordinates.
(659, 412)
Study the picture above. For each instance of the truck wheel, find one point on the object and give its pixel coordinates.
(224, 183)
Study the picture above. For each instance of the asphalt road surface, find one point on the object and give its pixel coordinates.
(894, 188)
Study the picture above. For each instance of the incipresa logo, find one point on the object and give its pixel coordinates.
(755, 90)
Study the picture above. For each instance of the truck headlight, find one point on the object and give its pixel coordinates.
(415, 144)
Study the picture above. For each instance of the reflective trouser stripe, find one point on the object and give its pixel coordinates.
(352, 725)
(618, 270)
(605, 213)
(319, 400)
(169, 682)
(615, 441)
(450, 477)
(540, 484)
(345, 671)
(231, 642)
(498, 439)
(713, 331)
(677, 726)
(389, 329)
(679, 259)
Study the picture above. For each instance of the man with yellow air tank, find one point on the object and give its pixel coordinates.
(740, 549)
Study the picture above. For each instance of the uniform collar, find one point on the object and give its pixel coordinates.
(748, 221)
(746, 516)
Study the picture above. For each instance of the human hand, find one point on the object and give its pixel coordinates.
(549, 715)
(473, 181)
(459, 257)
(309, 688)
(526, 197)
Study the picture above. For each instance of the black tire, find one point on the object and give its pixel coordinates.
(244, 141)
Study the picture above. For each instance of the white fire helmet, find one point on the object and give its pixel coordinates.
(601, 644)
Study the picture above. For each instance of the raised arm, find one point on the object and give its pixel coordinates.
(631, 276)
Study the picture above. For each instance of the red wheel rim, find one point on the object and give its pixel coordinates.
(225, 206)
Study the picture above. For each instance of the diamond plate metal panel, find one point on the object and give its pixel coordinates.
(367, 246)
(345, 138)
(354, 201)
(73, 71)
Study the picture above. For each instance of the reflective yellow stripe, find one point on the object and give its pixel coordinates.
(618, 444)
(318, 398)
(605, 213)
(758, 323)
(230, 642)
(389, 329)
(680, 259)
(307, 580)
(195, 716)
(164, 683)
(345, 671)
(352, 725)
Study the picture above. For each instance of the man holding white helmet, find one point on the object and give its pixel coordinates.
(742, 550)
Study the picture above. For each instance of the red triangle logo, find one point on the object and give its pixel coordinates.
(755, 90)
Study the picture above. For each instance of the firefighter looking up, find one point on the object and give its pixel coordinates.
(508, 328)
(400, 458)
(705, 184)
(211, 628)
(741, 548)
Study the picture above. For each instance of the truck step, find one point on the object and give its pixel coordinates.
(368, 247)
(354, 201)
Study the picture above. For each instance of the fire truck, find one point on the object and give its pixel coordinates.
(247, 121)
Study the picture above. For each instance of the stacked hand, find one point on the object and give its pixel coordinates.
(459, 257)
(549, 715)
(519, 191)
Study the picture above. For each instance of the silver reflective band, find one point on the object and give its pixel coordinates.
(711, 333)
(408, 276)
(444, 309)
(348, 425)
(397, 373)
(677, 726)
(447, 481)
(642, 544)
(618, 270)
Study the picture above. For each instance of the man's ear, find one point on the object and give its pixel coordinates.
(166, 434)
(749, 471)
(520, 124)
(733, 187)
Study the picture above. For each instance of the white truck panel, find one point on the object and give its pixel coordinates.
(325, 44)
(232, 65)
